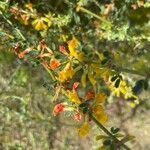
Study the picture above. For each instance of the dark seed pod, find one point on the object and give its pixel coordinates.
(117, 83)
(113, 78)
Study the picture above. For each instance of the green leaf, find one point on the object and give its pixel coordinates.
(106, 54)
(99, 137)
(104, 61)
(114, 130)
(127, 138)
(145, 84)
(114, 78)
(107, 142)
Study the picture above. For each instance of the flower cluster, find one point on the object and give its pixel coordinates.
(63, 72)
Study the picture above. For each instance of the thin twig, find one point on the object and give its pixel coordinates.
(80, 8)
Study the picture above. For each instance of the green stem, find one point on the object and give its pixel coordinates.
(50, 72)
(77, 68)
(92, 14)
(107, 132)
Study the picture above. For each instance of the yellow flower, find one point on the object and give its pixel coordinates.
(99, 113)
(102, 117)
(121, 89)
(65, 74)
(72, 44)
(84, 129)
(98, 109)
(39, 24)
(100, 98)
(101, 72)
(132, 104)
(80, 56)
(61, 76)
(73, 97)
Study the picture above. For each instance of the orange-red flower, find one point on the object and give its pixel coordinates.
(58, 108)
(75, 85)
(62, 49)
(77, 116)
(54, 63)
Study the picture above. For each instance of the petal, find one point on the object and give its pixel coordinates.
(72, 95)
(72, 44)
(100, 98)
(98, 109)
(84, 129)
(75, 85)
(58, 108)
(102, 118)
(54, 63)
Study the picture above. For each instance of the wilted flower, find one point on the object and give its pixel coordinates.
(25, 18)
(29, 6)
